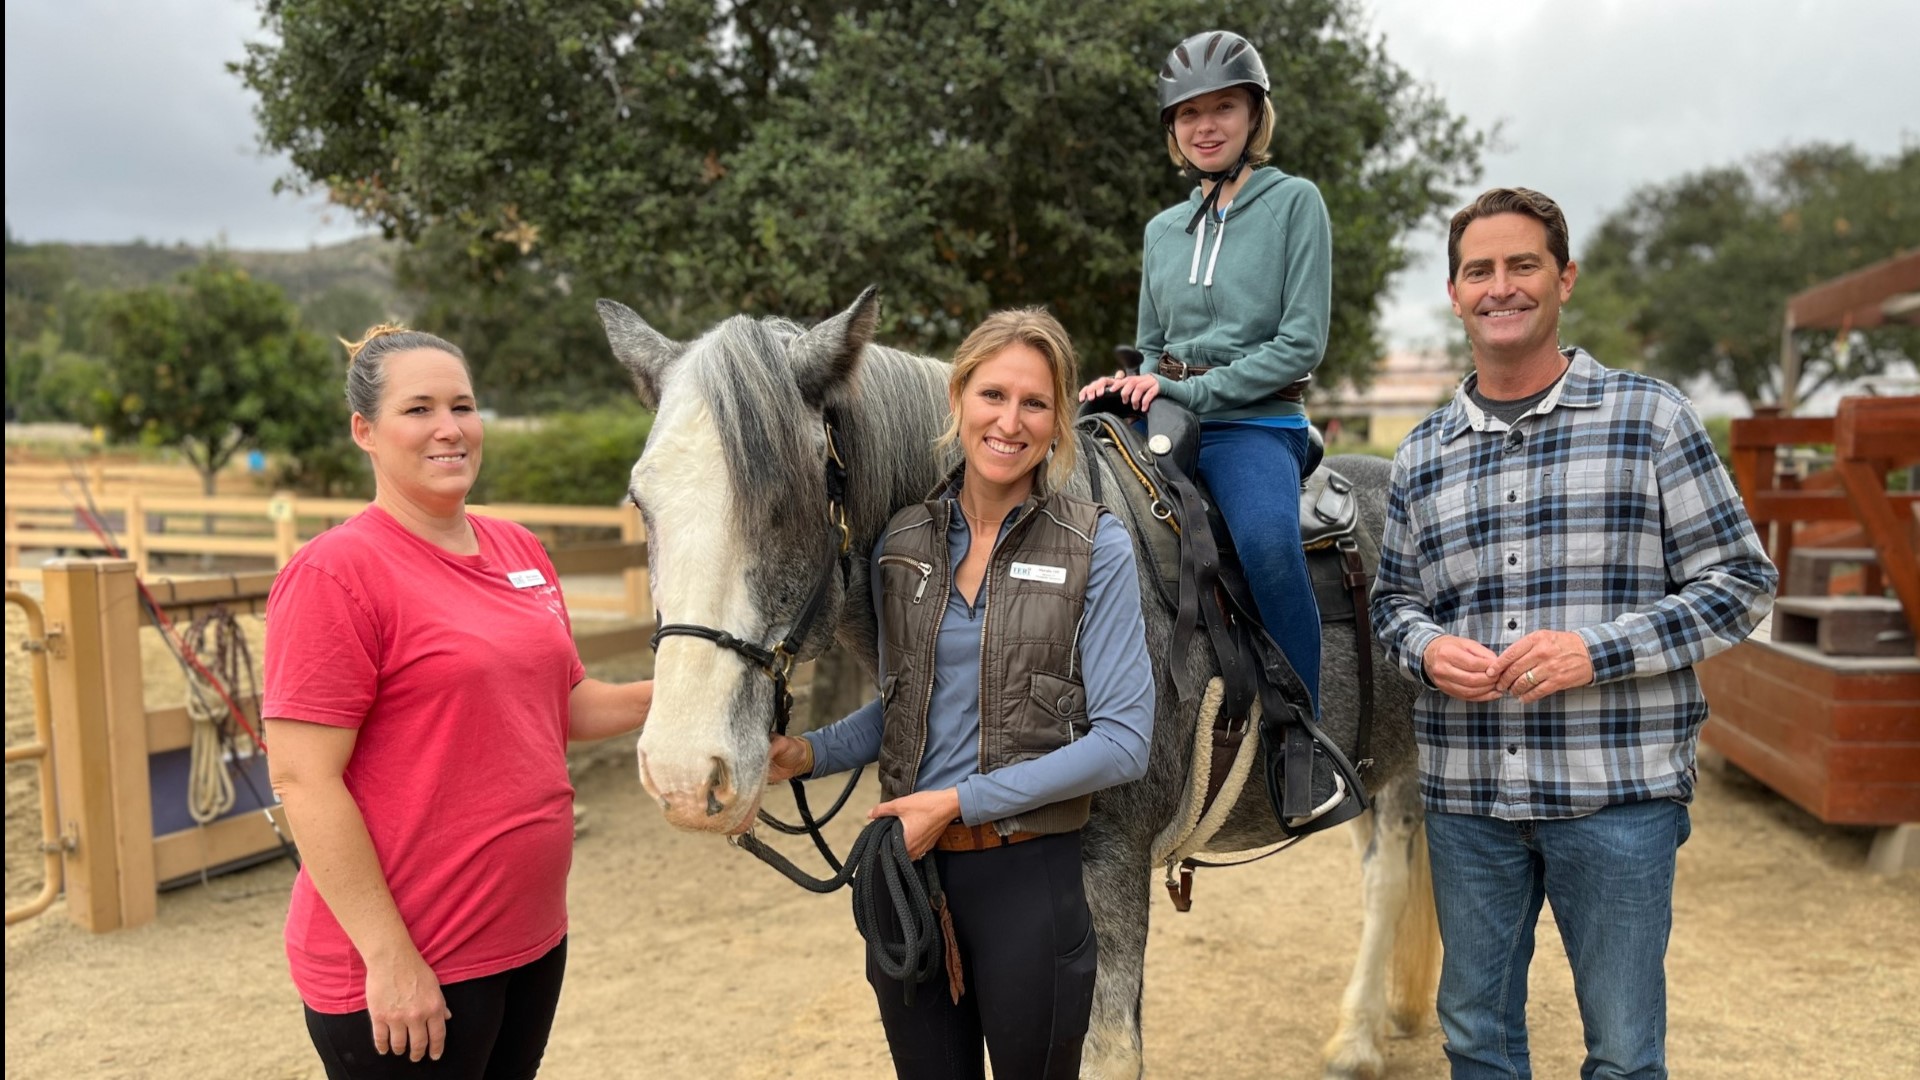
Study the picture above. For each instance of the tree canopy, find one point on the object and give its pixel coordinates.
(702, 159)
(1692, 276)
(214, 364)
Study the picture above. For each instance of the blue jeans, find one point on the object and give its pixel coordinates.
(1609, 876)
(1253, 473)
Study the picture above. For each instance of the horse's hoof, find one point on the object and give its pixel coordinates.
(1352, 1062)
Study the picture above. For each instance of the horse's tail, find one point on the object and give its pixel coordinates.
(1416, 945)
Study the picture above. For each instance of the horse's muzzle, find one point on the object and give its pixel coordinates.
(709, 805)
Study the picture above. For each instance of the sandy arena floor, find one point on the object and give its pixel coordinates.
(691, 959)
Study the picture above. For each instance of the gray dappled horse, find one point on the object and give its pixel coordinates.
(731, 487)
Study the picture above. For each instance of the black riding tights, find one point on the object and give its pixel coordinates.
(498, 1031)
(1027, 951)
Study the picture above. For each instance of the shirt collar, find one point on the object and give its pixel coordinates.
(1579, 388)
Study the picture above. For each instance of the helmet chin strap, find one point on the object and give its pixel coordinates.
(1220, 179)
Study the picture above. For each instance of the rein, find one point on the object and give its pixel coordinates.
(880, 851)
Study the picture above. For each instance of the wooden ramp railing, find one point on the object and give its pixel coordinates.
(1871, 438)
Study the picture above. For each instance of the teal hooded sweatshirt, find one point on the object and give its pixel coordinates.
(1249, 295)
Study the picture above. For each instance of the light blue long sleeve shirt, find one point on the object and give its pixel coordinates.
(1114, 669)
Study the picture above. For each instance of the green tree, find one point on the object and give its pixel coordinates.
(1698, 270)
(704, 159)
(217, 363)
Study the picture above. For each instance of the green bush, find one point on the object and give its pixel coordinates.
(581, 458)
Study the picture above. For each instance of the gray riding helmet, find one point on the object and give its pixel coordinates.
(1208, 61)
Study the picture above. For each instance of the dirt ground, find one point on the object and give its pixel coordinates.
(689, 958)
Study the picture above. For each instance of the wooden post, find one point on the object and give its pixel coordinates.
(633, 530)
(135, 537)
(120, 620)
(100, 756)
(283, 511)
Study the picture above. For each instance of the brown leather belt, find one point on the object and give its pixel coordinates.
(1176, 369)
(960, 837)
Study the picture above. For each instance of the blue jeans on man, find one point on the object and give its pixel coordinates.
(1609, 877)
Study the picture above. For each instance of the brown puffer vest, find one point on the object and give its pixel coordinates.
(1035, 591)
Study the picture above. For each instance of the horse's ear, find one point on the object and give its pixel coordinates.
(645, 352)
(825, 357)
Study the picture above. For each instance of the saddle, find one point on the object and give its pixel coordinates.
(1311, 783)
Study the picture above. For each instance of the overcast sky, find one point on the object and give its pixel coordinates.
(123, 122)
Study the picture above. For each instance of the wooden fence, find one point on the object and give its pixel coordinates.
(115, 762)
(271, 528)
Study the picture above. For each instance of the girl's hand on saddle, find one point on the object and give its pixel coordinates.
(924, 815)
(1138, 391)
(787, 758)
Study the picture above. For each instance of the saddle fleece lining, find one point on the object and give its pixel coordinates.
(1189, 832)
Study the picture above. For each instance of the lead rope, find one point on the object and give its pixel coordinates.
(926, 929)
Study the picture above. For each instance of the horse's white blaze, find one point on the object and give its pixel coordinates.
(682, 479)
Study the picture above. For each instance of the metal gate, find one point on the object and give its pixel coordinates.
(52, 845)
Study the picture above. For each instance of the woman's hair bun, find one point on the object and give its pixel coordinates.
(373, 334)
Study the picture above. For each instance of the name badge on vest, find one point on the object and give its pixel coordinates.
(1049, 575)
(526, 579)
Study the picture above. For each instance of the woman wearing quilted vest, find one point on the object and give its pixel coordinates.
(1234, 330)
(1014, 684)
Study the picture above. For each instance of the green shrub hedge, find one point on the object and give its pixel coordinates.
(581, 458)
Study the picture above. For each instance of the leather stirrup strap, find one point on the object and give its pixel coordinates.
(1354, 576)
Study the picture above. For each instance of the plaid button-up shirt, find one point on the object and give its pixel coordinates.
(1603, 511)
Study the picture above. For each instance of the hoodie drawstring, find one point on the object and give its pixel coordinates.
(1219, 237)
(1199, 241)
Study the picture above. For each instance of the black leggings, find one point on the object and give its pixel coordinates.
(498, 1031)
(1027, 951)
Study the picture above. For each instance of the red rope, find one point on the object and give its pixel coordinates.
(167, 628)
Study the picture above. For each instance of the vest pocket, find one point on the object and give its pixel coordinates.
(1056, 713)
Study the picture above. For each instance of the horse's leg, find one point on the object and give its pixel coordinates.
(1398, 942)
(1117, 893)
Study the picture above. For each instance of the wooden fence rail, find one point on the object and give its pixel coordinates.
(114, 761)
(273, 527)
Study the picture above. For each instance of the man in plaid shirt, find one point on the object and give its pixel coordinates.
(1562, 545)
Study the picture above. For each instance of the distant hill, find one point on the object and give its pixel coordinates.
(365, 265)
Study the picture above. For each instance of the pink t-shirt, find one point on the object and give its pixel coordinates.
(456, 671)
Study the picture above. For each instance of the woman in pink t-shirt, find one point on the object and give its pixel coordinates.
(421, 687)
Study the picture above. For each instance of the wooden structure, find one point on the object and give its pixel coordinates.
(108, 749)
(1827, 711)
(271, 528)
(1886, 292)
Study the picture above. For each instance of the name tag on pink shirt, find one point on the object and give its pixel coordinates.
(526, 579)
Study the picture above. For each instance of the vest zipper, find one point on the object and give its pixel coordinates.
(926, 571)
(933, 640)
(986, 615)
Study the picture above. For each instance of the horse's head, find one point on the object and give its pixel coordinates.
(732, 487)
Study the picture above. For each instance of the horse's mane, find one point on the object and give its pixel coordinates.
(739, 369)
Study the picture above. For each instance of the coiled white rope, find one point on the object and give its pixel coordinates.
(210, 792)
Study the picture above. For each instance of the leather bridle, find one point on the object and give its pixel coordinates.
(778, 660)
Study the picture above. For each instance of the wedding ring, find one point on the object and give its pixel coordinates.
(1531, 681)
